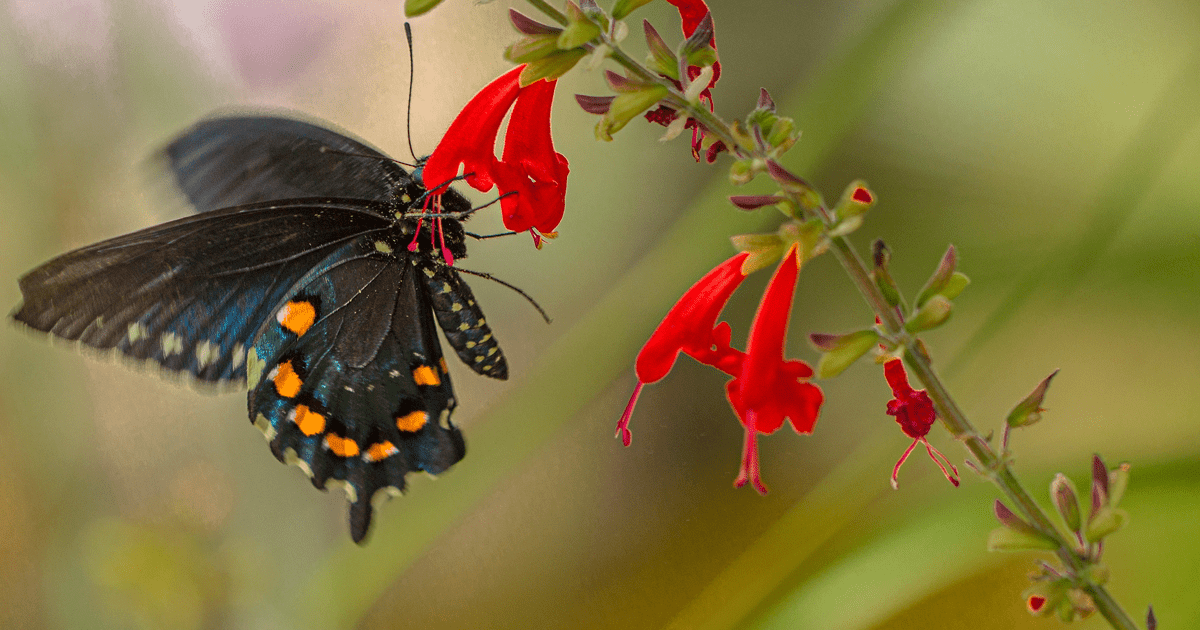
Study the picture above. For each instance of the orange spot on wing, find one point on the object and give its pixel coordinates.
(442, 364)
(342, 447)
(297, 317)
(381, 450)
(424, 375)
(412, 422)
(309, 421)
(287, 382)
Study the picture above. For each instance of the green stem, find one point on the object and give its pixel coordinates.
(955, 420)
(992, 465)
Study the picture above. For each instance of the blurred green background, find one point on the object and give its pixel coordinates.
(1055, 144)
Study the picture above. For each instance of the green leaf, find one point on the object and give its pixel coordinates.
(413, 8)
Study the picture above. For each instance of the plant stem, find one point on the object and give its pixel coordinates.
(955, 420)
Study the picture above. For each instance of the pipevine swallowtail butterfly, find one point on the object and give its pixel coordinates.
(296, 277)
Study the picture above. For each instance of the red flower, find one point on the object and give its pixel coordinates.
(691, 15)
(770, 388)
(915, 414)
(765, 388)
(531, 176)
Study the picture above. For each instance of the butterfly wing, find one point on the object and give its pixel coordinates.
(223, 162)
(348, 381)
(190, 294)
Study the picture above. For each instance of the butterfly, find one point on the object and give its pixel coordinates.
(311, 273)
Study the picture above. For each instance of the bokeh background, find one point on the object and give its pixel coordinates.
(1055, 144)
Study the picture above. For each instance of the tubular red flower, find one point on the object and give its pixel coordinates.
(531, 176)
(915, 414)
(690, 327)
(765, 388)
(770, 388)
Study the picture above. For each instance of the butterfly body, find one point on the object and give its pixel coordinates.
(311, 274)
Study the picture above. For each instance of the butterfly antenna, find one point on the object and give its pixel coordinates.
(488, 276)
(411, 71)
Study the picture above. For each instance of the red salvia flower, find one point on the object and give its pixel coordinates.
(770, 388)
(765, 388)
(915, 414)
(690, 327)
(691, 14)
(531, 176)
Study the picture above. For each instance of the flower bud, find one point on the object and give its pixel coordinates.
(1105, 521)
(882, 256)
(660, 58)
(625, 107)
(934, 313)
(855, 201)
(841, 351)
(1062, 491)
(530, 26)
(1118, 480)
(551, 66)
(782, 134)
(764, 249)
(413, 8)
(1029, 410)
(942, 282)
(623, 8)
(1043, 598)
(532, 48)
(580, 29)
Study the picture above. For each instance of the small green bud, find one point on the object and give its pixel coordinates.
(1062, 491)
(532, 48)
(625, 107)
(941, 277)
(1081, 603)
(413, 8)
(1105, 521)
(623, 8)
(783, 134)
(551, 66)
(741, 172)
(855, 201)
(580, 29)
(1043, 598)
(1118, 480)
(660, 58)
(841, 351)
(934, 313)
(1029, 410)
(764, 249)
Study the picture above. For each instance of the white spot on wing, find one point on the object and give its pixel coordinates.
(171, 344)
(207, 352)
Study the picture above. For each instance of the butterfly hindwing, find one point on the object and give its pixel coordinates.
(189, 294)
(348, 381)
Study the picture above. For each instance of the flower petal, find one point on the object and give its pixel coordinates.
(769, 388)
(471, 139)
(689, 325)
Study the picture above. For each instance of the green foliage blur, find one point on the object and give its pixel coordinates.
(1054, 144)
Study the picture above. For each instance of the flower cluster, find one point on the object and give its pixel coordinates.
(696, 22)
(530, 175)
(766, 388)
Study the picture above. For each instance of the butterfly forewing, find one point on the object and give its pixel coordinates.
(348, 380)
(223, 162)
(189, 294)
